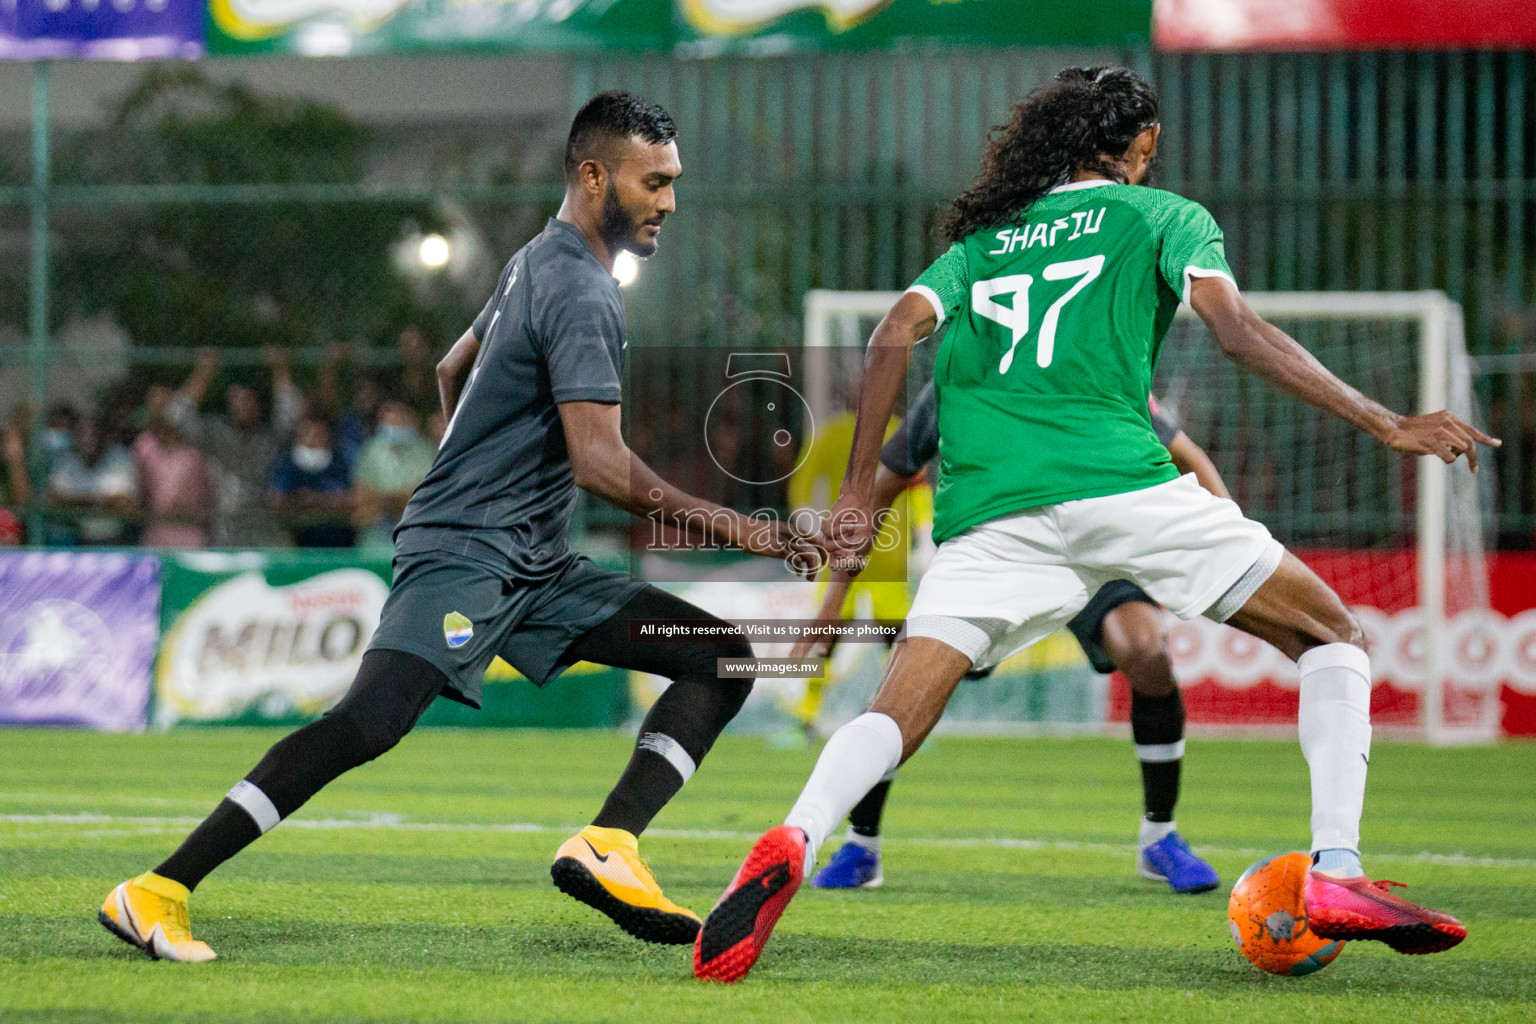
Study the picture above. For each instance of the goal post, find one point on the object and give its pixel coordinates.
(1402, 540)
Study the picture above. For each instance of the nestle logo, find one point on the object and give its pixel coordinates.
(325, 601)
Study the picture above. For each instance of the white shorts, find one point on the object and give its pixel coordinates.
(1003, 585)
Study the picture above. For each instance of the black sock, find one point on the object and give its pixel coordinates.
(688, 716)
(295, 769)
(1158, 722)
(1160, 789)
(648, 782)
(864, 819)
(391, 692)
(685, 720)
(224, 833)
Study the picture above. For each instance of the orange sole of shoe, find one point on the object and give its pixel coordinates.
(736, 931)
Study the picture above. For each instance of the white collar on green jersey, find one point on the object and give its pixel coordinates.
(1073, 186)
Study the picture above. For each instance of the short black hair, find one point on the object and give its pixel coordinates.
(611, 116)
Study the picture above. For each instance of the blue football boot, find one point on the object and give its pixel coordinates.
(852, 867)
(1171, 860)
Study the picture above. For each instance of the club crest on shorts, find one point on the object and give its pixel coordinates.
(457, 629)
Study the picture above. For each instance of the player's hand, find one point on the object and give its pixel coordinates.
(804, 554)
(848, 533)
(814, 647)
(1441, 434)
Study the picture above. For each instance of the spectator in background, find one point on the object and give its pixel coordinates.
(157, 399)
(392, 463)
(356, 423)
(99, 479)
(15, 486)
(57, 445)
(437, 426)
(58, 438)
(312, 488)
(354, 417)
(243, 446)
(175, 486)
(417, 381)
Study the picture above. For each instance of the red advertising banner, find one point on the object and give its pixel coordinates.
(1202, 25)
(1512, 591)
(1229, 678)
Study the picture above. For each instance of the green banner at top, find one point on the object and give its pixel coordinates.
(329, 28)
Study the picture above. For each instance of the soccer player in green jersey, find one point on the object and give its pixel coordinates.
(1120, 627)
(1061, 280)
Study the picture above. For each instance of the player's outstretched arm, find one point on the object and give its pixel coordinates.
(454, 368)
(850, 529)
(605, 466)
(1268, 352)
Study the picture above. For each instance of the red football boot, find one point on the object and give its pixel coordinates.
(736, 931)
(1358, 908)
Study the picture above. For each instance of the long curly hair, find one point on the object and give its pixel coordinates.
(1086, 118)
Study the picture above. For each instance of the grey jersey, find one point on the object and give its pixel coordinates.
(916, 441)
(501, 485)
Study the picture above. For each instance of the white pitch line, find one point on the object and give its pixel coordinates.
(394, 822)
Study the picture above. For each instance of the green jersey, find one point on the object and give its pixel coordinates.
(1055, 322)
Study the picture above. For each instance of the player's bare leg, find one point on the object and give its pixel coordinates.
(918, 682)
(920, 679)
(1135, 636)
(1297, 612)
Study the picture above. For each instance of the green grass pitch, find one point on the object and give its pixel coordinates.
(417, 888)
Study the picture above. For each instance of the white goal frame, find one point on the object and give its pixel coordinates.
(1442, 348)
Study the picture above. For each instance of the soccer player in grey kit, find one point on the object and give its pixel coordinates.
(483, 568)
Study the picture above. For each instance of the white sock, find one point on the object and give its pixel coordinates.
(1335, 729)
(1153, 832)
(1338, 863)
(856, 757)
(870, 843)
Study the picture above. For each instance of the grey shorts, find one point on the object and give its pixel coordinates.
(460, 613)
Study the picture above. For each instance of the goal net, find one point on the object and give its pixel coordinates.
(1401, 540)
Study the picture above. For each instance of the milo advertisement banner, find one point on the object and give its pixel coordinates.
(689, 27)
(257, 638)
(767, 26)
(262, 637)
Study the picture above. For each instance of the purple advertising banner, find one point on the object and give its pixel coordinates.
(101, 29)
(78, 634)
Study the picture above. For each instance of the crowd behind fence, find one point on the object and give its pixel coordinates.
(244, 450)
(1343, 171)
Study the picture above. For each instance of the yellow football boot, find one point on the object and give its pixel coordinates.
(150, 912)
(602, 868)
